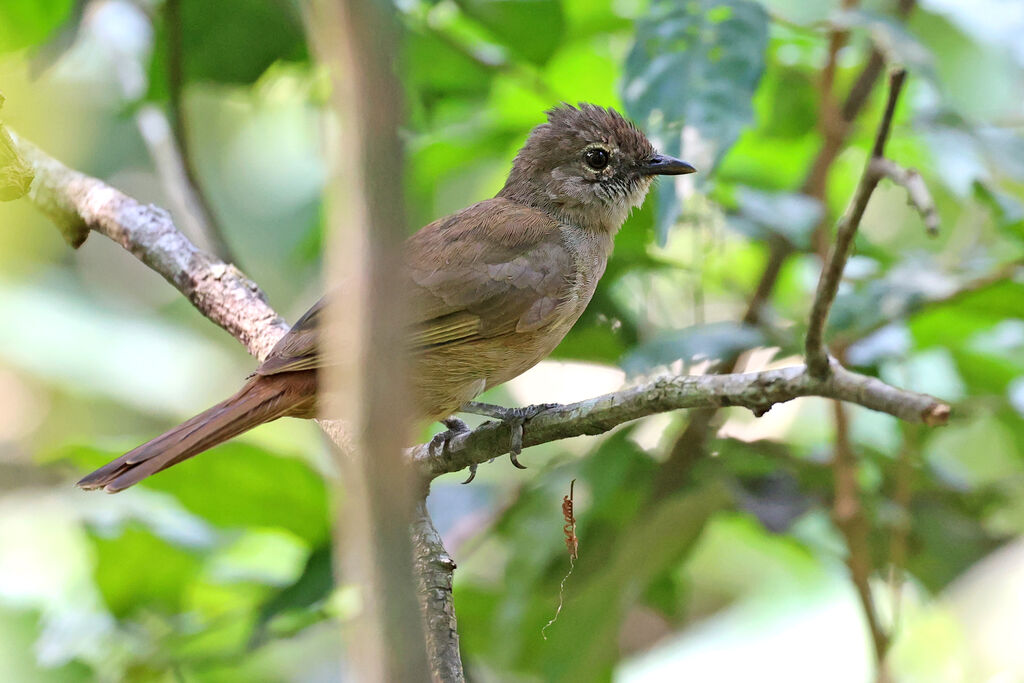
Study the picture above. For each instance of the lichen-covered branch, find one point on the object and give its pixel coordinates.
(758, 391)
(435, 570)
(78, 204)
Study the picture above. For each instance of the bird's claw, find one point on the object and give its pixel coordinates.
(516, 418)
(439, 444)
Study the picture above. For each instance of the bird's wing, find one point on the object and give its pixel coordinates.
(496, 268)
(298, 348)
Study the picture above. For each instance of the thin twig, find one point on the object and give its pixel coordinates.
(197, 201)
(830, 117)
(896, 80)
(901, 498)
(78, 204)
(848, 514)
(828, 285)
(918, 195)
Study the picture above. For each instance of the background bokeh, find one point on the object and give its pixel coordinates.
(220, 570)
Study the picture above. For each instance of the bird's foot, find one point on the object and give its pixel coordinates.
(516, 418)
(439, 444)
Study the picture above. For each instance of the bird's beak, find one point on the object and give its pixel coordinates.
(661, 164)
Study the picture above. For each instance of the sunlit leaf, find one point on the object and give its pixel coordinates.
(15, 173)
(788, 215)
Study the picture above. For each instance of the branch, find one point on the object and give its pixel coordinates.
(758, 391)
(435, 572)
(828, 285)
(78, 204)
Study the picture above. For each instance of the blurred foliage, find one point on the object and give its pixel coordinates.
(220, 570)
(690, 79)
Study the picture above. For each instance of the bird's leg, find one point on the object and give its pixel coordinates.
(439, 444)
(516, 418)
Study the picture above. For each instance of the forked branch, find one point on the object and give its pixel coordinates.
(835, 264)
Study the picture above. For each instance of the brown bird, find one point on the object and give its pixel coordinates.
(493, 289)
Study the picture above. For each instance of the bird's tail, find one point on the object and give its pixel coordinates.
(262, 399)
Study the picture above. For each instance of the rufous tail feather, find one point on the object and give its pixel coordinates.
(262, 399)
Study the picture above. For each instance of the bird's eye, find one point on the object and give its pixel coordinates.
(596, 158)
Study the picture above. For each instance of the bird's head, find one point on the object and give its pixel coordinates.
(589, 165)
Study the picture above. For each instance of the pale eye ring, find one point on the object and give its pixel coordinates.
(596, 158)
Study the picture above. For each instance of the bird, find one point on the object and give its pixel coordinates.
(491, 291)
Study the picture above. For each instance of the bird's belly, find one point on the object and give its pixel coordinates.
(444, 378)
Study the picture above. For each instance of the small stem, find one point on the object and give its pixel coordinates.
(199, 204)
(828, 284)
(901, 496)
(849, 517)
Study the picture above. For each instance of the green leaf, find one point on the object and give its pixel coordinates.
(435, 70)
(24, 23)
(238, 484)
(229, 41)
(789, 215)
(951, 324)
(618, 475)
(138, 569)
(698, 342)
(312, 586)
(531, 28)
(695, 65)
(948, 537)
